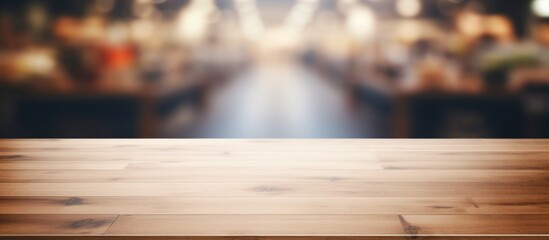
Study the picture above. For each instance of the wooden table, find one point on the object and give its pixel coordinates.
(274, 189)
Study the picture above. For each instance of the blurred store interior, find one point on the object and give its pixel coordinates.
(274, 69)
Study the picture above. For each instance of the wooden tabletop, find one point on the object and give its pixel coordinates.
(274, 189)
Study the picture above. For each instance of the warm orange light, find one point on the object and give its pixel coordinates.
(500, 27)
(470, 24)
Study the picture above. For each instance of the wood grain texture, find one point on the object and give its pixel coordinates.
(274, 205)
(247, 175)
(274, 189)
(252, 205)
(250, 225)
(365, 237)
(259, 189)
(55, 224)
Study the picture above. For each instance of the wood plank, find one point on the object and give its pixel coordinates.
(316, 237)
(201, 145)
(268, 145)
(246, 175)
(507, 205)
(460, 148)
(518, 143)
(461, 145)
(55, 224)
(256, 165)
(61, 165)
(181, 155)
(479, 224)
(73, 155)
(333, 189)
(240, 205)
(274, 205)
(249, 225)
(342, 225)
(466, 164)
(224, 156)
(531, 141)
(462, 156)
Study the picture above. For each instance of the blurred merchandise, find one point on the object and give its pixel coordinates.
(274, 68)
(497, 64)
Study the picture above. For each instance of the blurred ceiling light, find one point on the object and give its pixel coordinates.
(301, 15)
(104, 6)
(408, 8)
(361, 22)
(250, 20)
(276, 41)
(193, 20)
(541, 8)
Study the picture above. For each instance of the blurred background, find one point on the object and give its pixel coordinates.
(274, 68)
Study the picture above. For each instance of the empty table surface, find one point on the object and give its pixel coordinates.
(274, 189)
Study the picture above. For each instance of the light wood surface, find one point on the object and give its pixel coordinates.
(274, 189)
